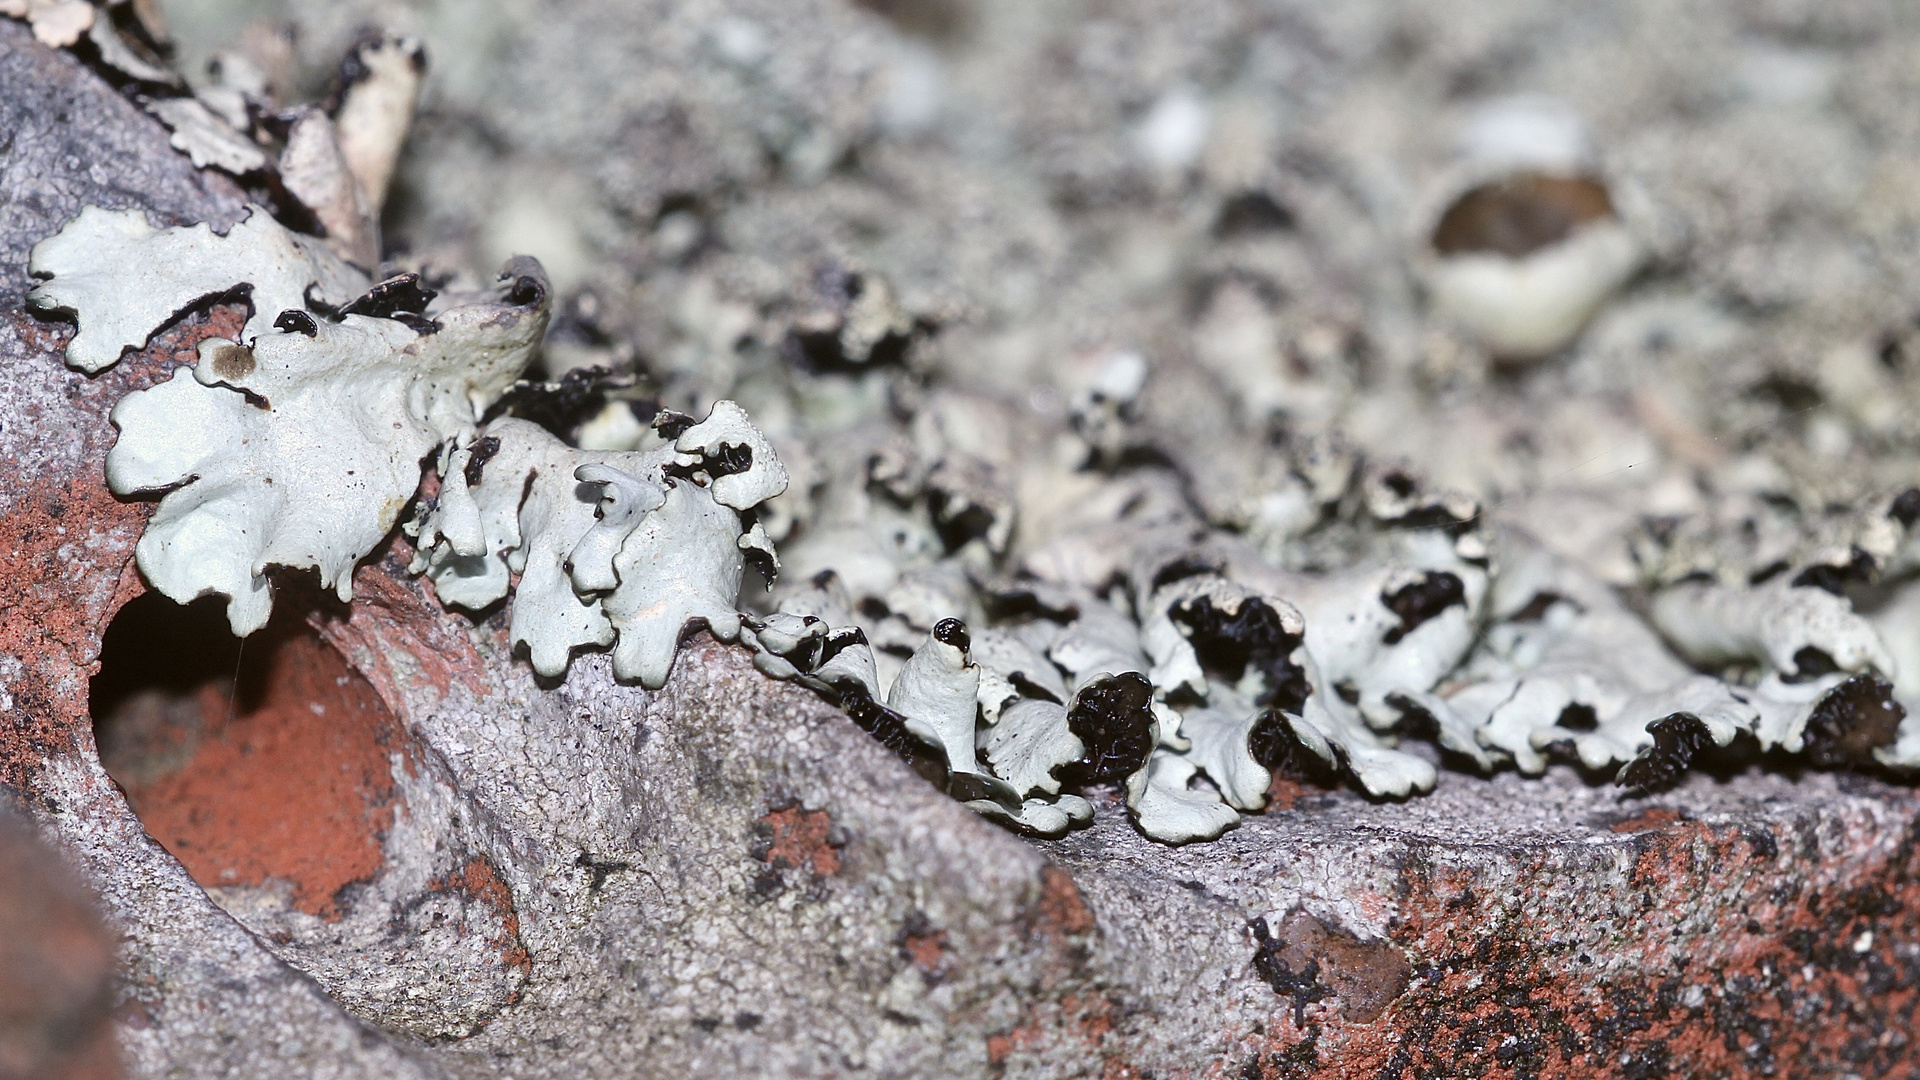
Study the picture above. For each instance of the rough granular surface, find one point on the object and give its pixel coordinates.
(1011, 287)
(1564, 934)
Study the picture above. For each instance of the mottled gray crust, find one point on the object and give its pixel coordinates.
(1550, 887)
(733, 939)
(68, 140)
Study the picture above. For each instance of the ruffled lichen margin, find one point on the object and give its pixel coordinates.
(1168, 657)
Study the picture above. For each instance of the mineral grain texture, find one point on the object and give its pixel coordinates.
(727, 878)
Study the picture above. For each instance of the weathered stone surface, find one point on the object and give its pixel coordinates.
(727, 878)
(1747, 925)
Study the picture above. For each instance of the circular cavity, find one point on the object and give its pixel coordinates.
(1520, 214)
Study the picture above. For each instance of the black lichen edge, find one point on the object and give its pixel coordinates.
(1905, 507)
(561, 407)
(483, 450)
(1253, 634)
(887, 727)
(671, 424)
(399, 294)
(293, 321)
(952, 632)
(1277, 748)
(1859, 569)
(1113, 718)
(1851, 721)
(1678, 738)
(726, 460)
(1422, 600)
